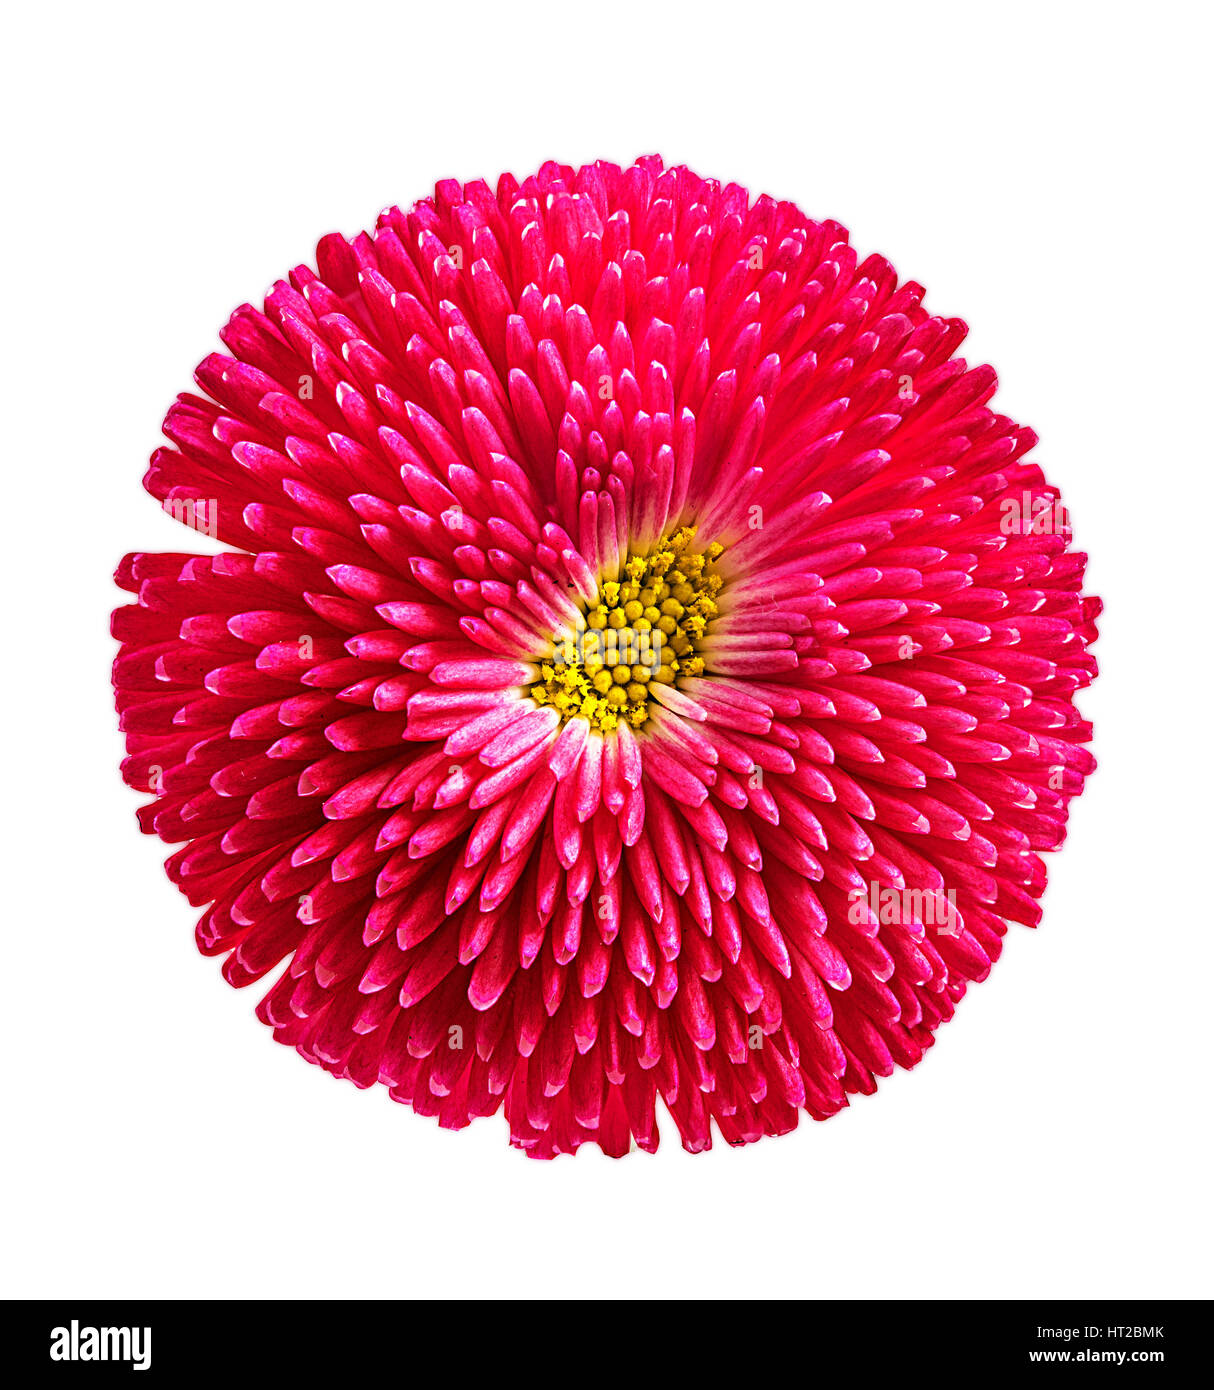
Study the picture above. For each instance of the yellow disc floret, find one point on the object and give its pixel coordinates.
(643, 631)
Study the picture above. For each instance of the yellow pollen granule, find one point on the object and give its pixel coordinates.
(642, 631)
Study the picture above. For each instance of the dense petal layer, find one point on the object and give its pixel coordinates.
(763, 872)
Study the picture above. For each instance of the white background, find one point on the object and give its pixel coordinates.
(1044, 171)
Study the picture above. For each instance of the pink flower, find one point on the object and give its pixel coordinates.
(644, 666)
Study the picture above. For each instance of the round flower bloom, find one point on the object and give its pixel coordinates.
(644, 666)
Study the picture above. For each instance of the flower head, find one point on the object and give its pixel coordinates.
(643, 666)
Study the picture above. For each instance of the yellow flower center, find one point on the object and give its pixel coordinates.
(643, 630)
